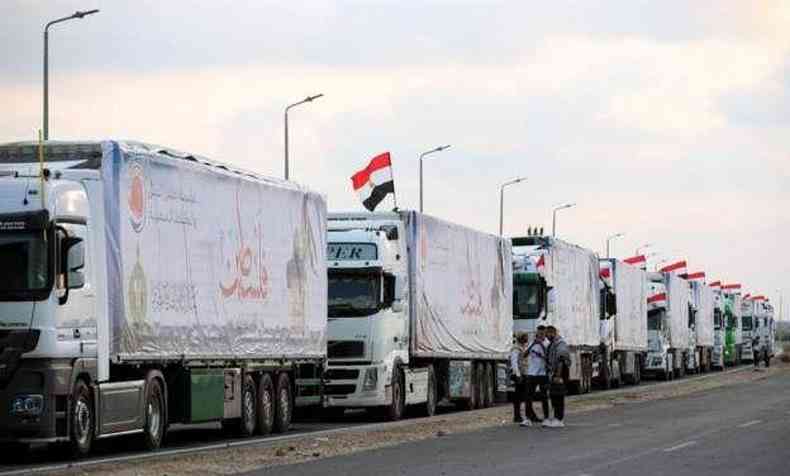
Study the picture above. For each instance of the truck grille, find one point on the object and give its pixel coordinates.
(340, 349)
(339, 389)
(341, 374)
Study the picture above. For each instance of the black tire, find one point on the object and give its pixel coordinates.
(155, 412)
(284, 404)
(490, 390)
(428, 408)
(606, 374)
(249, 407)
(637, 370)
(265, 410)
(394, 411)
(83, 420)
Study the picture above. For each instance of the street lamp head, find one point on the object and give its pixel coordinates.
(442, 147)
(312, 98)
(79, 14)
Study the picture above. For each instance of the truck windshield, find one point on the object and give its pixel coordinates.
(525, 301)
(654, 320)
(355, 294)
(24, 261)
(747, 323)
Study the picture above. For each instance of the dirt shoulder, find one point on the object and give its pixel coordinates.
(311, 447)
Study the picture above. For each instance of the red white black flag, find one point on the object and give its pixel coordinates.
(677, 268)
(374, 182)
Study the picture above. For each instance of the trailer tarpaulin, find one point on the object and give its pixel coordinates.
(678, 309)
(206, 262)
(704, 300)
(573, 272)
(630, 330)
(462, 289)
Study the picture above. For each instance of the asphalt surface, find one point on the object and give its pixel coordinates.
(737, 430)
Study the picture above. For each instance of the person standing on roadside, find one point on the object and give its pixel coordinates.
(518, 372)
(756, 351)
(559, 361)
(537, 377)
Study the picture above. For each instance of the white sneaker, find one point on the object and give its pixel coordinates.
(525, 422)
(548, 423)
(558, 424)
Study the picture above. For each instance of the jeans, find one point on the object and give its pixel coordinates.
(519, 396)
(536, 388)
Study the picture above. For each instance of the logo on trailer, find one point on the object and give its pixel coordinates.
(137, 196)
(137, 294)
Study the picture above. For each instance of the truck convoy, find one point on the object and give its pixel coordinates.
(143, 287)
(559, 283)
(420, 311)
(668, 325)
(623, 323)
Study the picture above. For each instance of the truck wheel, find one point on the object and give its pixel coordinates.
(155, 424)
(394, 411)
(249, 407)
(265, 410)
(429, 407)
(488, 402)
(605, 375)
(637, 370)
(82, 420)
(284, 409)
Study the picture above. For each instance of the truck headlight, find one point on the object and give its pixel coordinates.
(27, 405)
(371, 379)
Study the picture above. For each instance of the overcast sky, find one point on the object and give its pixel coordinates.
(668, 121)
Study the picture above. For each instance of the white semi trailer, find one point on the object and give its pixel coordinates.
(142, 287)
(748, 329)
(623, 325)
(420, 311)
(557, 283)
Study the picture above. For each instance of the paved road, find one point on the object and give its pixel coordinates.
(736, 430)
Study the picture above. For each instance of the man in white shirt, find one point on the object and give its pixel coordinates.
(518, 373)
(537, 377)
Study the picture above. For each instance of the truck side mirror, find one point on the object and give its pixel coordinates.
(389, 290)
(72, 263)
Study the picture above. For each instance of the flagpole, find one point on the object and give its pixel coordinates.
(394, 195)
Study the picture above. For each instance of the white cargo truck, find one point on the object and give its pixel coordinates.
(748, 329)
(623, 324)
(702, 324)
(556, 283)
(142, 287)
(667, 324)
(420, 311)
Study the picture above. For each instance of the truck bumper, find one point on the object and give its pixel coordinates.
(344, 386)
(49, 379)
(655, 362)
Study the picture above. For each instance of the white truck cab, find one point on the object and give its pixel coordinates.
(368, 333)
(659, 357)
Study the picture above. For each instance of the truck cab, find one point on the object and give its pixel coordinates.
(733, 339)
(50, 219)
(659, 358)
(368, 333)
(748, 330)
(693, 357)
(529, 287)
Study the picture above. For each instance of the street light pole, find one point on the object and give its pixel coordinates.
(288, 108)
(437, 149)
(554, 217)
(609, 238)
(502, 199)
(76, 15)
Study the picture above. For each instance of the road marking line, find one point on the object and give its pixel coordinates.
(750, 423)
(680, 446)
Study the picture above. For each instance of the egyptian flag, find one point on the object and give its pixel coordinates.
(715, 285)
(374, 182)
(678, 268)
(733, 288)
(657, 299)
